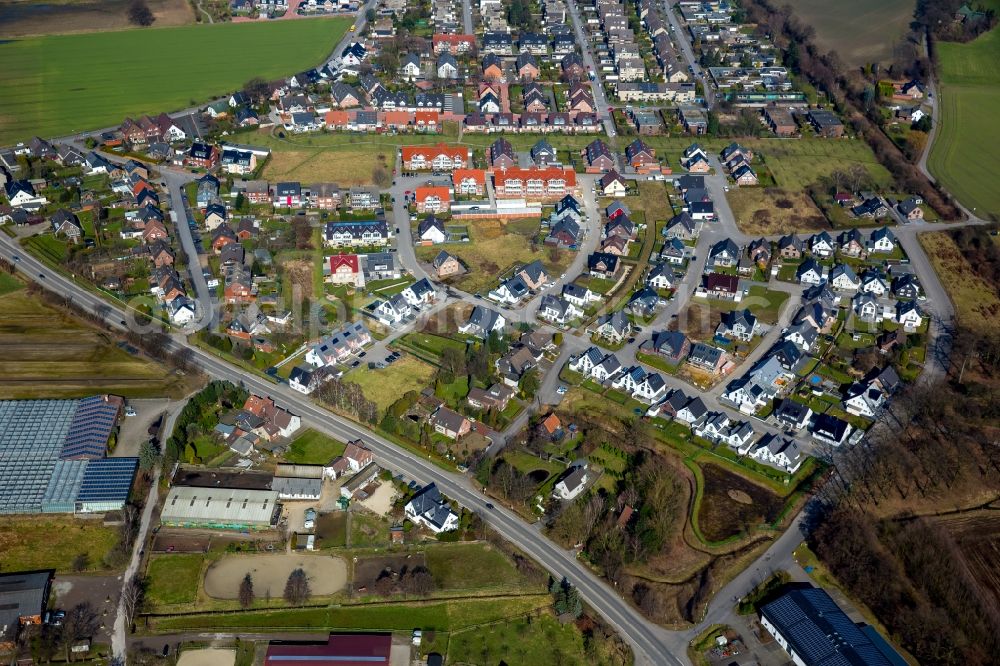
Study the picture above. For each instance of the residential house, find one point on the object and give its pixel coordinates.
(809, 272)
(572, 483)
(614, 328)
(790, 247)
(739, 324)
(346, 269)
(674, 346)
(882, 240)
(602, 265)
(708, 358)
(843, 277)
(428, 508)
(612, 184)
(482, 322)
(339, 345)
(447, 265)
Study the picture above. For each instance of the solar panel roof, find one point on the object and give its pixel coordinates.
(819, 632)
(108, 480)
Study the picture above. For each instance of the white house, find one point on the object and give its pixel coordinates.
(863, 400)
(429, 508)
(607, 368)
(572, 484)
(778, 451)
(182, 311)
(908, 315)
(843, 278)
(651, 389)
(585, 362)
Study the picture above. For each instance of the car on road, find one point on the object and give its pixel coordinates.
(16, 258)
(363, 354)
(725, 188)
(397, 230)
(355, 364)
(489, 505)
(41, 275)
(562, 390)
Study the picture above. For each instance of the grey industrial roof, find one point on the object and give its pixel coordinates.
(224, 505)
(22, 594)
(289, 486)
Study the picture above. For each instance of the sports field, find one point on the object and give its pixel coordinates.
(961, 157)
(860, 31)
(54, 86)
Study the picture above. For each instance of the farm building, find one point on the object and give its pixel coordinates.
(23, 597)
(345, 649)
(221, 508)
(812, 629)
(52, 456)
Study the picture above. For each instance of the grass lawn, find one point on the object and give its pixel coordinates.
(472, 567)
(977, 304)
(51, 355)
(313, 448)
(765, 303)
(368, 530)
(970, 88)
(444, 616)
(52, 86)
(386, 385)
(9, 284)
(496, 246)
(770, 211)
(174, 579)
(53, 542)
(539, 641)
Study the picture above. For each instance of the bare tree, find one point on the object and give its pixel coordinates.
(297, 587)
(81, 622)
(246, 592)
(131, 601)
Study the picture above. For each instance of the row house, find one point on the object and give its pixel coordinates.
(536, 184)
(356, 233)
(439, 157)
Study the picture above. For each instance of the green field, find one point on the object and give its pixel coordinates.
(441, 616)
(969, 96)
(473, 567)
(313, 448)
(860, 31)
(51, 355)
(174, 579)
(56, 85)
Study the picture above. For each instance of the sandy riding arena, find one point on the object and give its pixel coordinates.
(327, 575)
(207, 657)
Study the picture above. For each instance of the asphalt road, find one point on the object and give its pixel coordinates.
(680, 38)
(583, 39)
(175, 183)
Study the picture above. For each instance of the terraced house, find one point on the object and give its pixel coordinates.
(439, 157)
(357, 233)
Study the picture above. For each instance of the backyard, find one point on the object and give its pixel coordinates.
(313, 448)
(77, 85)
